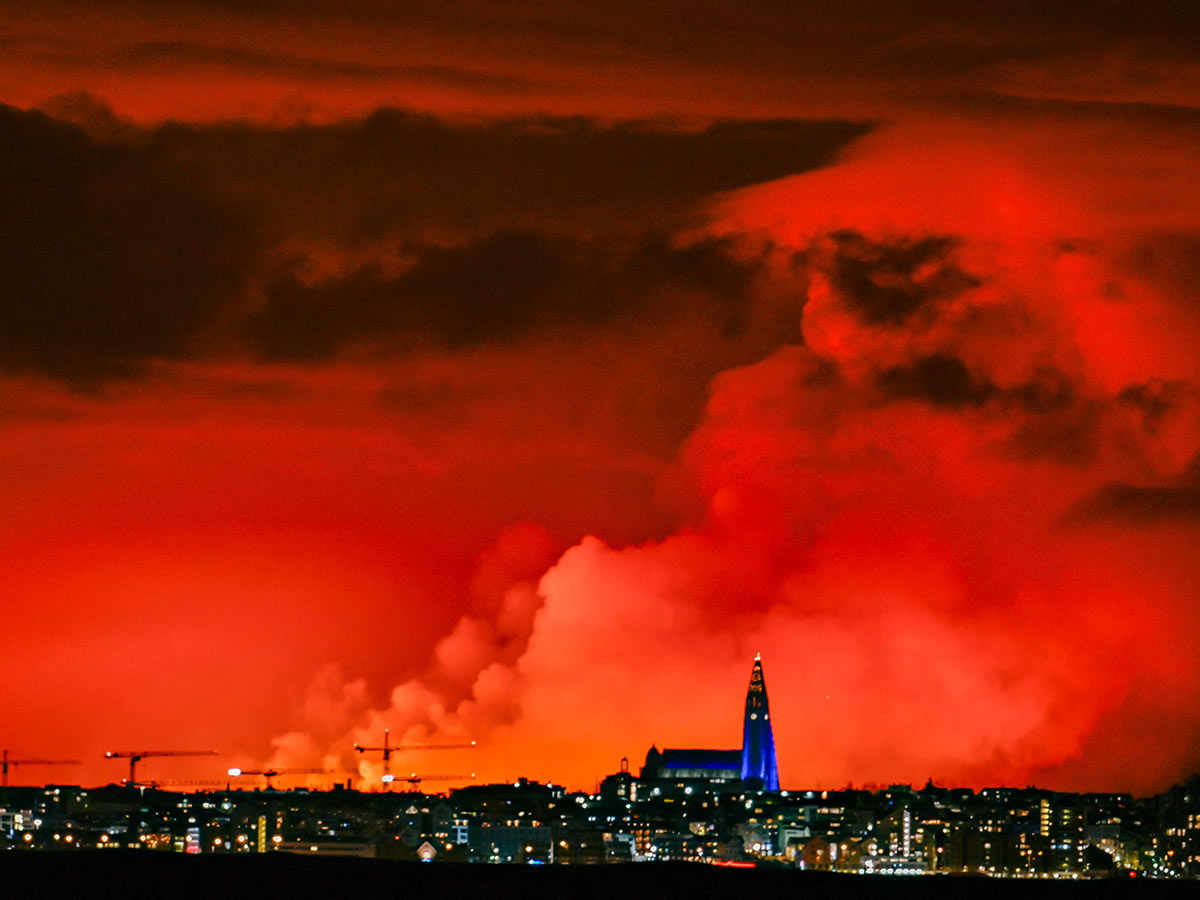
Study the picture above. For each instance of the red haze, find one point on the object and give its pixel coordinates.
(534, 430)
(890, 514)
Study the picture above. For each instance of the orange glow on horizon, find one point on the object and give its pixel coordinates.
(514, 379)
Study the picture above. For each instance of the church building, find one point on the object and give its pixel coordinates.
(755, 762)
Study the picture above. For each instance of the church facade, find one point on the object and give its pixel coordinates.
(754, 763)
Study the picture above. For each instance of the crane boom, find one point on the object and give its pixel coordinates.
(141, 754)
(415, 780)
(394, 747)
(136, 756)
(6, 761)
(273, 772)
(389, 748)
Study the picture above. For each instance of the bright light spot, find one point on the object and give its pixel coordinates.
(235, 772)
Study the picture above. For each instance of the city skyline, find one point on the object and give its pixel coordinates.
(692, 806)
(513, 374)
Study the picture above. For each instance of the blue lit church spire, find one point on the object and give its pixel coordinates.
(758, 743)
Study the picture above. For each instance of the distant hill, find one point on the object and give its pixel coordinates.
(133, 875)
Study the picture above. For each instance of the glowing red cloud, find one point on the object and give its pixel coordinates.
(923, 511)
(888, 514)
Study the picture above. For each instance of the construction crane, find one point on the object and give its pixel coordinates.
(414, 780)
(6, 761)
(181, 782)
(388, 749)
(275, 773)
(136, 756)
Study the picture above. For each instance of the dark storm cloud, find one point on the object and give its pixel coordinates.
(1049, 392)
(1060, 423)
(499, 288)
(1132, 504)
(960, 33)
(108, 254)
(121, 244)
(939, 379)
(401, 172)
(1055, 424)
(1171, 259)
(1070, 436)
(172, 54)
(1154, 401)
(886, 283)
(1026, 49)
(1054, 421)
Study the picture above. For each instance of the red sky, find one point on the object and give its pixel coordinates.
(515, 373)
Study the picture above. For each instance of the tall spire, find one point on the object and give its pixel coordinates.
(758, 741)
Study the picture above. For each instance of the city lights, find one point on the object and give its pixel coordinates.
(395, 391)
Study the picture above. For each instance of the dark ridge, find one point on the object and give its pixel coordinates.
(133, 875)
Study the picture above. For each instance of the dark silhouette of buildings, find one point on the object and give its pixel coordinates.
(710, 806)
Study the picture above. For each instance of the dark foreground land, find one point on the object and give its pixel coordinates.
(164, 875)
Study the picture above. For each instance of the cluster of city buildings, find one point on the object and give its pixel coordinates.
(700, 805)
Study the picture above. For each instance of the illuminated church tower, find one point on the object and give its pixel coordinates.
(758, 743)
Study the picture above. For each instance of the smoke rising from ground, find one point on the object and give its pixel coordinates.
(534, 429)
(955, 518)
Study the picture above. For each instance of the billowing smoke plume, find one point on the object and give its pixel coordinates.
(958, 520)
